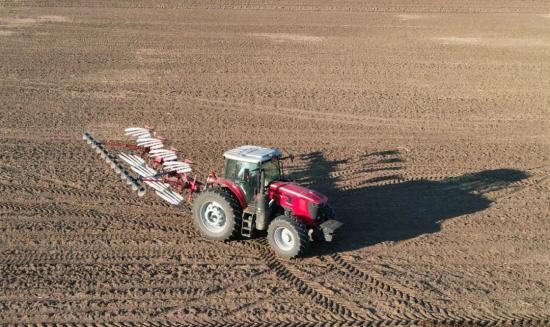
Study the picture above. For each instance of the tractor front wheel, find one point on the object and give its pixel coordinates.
(216, 214)
(288, 237)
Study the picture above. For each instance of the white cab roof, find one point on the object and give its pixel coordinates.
(252, 153)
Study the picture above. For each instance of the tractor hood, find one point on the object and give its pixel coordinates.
(294, 190)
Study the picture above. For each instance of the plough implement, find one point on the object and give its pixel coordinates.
(252, 196)
(150, 155)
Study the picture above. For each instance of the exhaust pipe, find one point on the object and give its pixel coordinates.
(261, 209)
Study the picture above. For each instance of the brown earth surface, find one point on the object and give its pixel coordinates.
(425, 122)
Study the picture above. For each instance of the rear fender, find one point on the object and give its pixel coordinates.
(234, 189)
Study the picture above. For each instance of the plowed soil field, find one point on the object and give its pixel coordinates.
(427, 123)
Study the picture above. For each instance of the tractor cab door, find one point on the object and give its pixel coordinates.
(245, 175)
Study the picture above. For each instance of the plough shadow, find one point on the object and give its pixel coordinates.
(381, 206)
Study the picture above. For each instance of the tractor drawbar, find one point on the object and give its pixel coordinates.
(109, 158)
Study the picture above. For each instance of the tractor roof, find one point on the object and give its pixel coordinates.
(252, 153)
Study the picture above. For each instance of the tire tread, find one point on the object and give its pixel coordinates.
(235, 210)
(300, 229)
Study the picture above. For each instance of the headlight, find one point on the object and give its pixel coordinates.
(313, 209)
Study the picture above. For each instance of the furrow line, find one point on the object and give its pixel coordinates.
(385, 289)
(504, 320)
(5, 188)
(511, 320)
(91, 214)
(339, 311)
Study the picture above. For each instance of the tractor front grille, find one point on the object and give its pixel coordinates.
(325, 212)
(321, 212)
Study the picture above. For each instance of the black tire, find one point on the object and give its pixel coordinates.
(224, 200)
(298, 232)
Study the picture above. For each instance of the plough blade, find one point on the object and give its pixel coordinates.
(148, 142)
(132, 160)
(160, 152)
(157, 185)
(137, 164)
(113, 162)
(177, 166)
(137, 132)
(165, 154)
(171, 197)
(156, 146)
(144, 171)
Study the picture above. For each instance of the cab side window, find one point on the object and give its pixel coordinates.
(231, 169)
(252, 170)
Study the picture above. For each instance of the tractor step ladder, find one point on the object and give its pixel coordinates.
(247, 225)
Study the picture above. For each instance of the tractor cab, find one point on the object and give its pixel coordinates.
(243, 167)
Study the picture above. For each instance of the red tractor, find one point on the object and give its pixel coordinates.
(252, 195)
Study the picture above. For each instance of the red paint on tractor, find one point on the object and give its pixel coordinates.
(296, 190)
(296, 199)
(234, 189)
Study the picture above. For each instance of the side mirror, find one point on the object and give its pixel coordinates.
(246, 174)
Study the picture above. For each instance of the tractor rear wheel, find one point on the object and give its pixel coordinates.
(217, 214)
(288, 237)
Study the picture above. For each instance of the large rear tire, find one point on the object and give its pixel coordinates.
(217, 214)
(288, 237)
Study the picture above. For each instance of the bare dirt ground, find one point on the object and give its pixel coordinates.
(425, 122)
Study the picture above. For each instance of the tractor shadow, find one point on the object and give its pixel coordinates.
(377, 205)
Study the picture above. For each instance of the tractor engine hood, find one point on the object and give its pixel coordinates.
(294, 190)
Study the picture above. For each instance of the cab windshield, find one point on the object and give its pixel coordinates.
(272, 171)
(235, 169)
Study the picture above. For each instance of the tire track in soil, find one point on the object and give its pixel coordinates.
(281, 270)
(114, 291)
(65, 190)
(342, 316)
(340, 313)
(338, 310)
(266, 254)
(509, 320)
(91, 238)
(384, 289)
(260, 322)
(34, 190)
(434, 123)
(71, 191)
(284, 7)
(302, 114)
(384, 301)
(337, 118)
(144, 305)
(92, 214)
(428, 311)
(129, 256)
